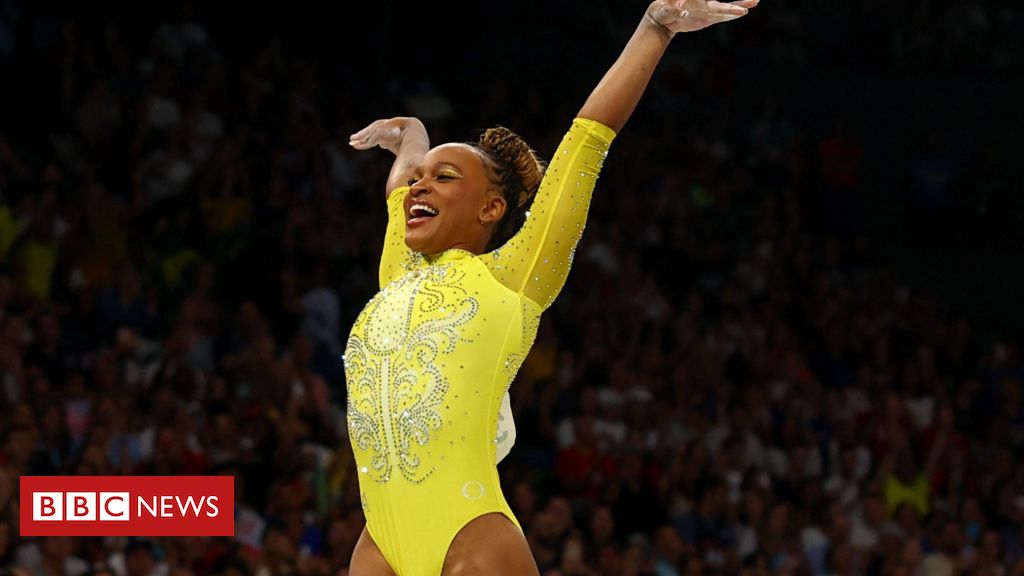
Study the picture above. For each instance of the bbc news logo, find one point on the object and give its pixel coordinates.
(81, 506)
(127, 506)
(116, 506)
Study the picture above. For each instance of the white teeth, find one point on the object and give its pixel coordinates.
(424, 208)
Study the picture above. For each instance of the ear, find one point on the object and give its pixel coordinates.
(494, 208)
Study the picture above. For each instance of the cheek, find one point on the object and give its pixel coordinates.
(459, 210)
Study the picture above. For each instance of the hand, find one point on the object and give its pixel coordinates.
(690, 15)
(405, 137)
(387, 134)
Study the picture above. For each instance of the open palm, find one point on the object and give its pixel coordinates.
(691, 15)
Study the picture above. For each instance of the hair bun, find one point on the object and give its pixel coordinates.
(506, 147)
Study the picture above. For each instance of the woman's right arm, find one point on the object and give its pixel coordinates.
(407, 139)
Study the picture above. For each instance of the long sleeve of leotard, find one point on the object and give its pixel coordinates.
(536, 261)
(395, 254)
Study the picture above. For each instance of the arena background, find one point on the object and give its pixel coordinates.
(790, 343)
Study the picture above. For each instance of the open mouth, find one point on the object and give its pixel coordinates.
(420, 212)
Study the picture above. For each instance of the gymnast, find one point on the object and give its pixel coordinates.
(479, 241)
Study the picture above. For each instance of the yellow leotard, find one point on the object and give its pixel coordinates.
(432, 354)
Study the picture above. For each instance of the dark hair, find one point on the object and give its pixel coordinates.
(518, 171)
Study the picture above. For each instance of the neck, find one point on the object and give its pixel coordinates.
(463, 246)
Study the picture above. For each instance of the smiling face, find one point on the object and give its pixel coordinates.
(453, 201)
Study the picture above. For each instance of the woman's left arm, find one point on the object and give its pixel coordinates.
(614, 98)
(536, 261)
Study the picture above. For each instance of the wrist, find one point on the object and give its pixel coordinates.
(652, 23)
(413, 136)
(412, 125)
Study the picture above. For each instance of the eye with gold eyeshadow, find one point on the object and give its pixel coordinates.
(447, 174)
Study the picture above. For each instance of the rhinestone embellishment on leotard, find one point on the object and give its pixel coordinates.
(396, 389)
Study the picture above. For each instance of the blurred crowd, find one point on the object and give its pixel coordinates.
(731, 383)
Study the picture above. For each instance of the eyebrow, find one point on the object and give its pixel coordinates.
(438, 166)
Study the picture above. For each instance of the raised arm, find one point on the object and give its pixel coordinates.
(536, 261)
(613, 100)
(407, 139)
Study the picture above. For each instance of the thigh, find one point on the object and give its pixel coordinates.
(367, 559)
(490, 544)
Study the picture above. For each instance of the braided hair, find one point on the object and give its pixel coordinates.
(518, 172)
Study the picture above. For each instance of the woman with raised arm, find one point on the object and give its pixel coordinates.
(465, 274)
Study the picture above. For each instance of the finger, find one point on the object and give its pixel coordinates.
(367, 131)
(724, 8)
(748, 4)
(362, 134)
(367, 138)
(358, 137)
(726, 17)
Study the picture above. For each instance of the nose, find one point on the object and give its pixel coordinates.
(417, 189)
